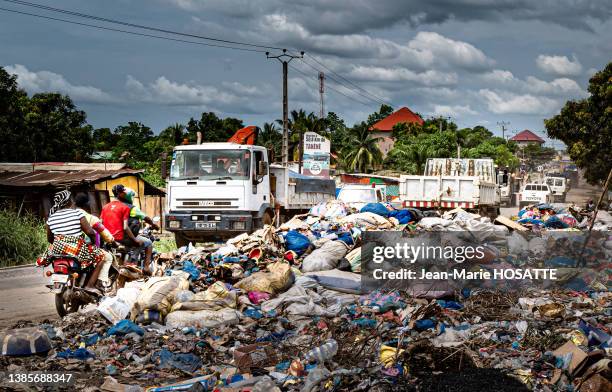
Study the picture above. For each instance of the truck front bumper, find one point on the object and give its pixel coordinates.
(209, 223)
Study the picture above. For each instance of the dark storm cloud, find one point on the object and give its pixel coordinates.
(356, 16)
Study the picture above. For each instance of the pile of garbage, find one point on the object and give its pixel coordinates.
(281, 309)
(559, 217)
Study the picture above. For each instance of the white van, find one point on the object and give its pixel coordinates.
(534, 193)
(558, 186)
(357, 195)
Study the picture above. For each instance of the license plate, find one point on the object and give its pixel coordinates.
(59, 278)
(206, 225)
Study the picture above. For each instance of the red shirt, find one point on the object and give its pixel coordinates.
(113, 216)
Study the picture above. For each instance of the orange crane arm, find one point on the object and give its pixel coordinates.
(246, 135)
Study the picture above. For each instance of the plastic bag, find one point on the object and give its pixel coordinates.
(117, 308)
(216, 297)
(158, 293)
(202, 318)
(278, 279)
(376, 208)
(296, 242)
(326, 257)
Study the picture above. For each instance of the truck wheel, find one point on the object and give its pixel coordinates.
(266, 219)
(180, 240)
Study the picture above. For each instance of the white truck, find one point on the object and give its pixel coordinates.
(218, 190)
(450, 183)
(535, 193)
(558, 186)
(358, 195)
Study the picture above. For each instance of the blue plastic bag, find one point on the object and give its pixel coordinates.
(191, 269)
(403, 216)
(124, 327)
(297, 242)
(376, 208)
(79, 353)
(186, 362)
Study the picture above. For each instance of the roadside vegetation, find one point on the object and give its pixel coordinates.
(22, 238)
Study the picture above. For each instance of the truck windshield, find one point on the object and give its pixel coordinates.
(211, 165)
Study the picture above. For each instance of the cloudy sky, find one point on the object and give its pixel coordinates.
(477, 61)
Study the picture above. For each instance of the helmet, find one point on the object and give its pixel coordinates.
(118, 189)
(129, 195)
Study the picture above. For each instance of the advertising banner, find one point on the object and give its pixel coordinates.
(316, 155)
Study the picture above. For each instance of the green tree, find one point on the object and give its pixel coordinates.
(213, 128)
(410, 153)
(12, 119)
(338, 132)
(173, 134)
(362, 154)
(133, 138)
(271, 138)
(585, 127)
(535, 155)
(383, 112)
(55, 130)
(104, 139)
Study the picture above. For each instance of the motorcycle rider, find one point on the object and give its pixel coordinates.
(116, 216)
(65, 226)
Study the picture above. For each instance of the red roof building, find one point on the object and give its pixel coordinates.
(382, 129)
(527, 137)
(403, 115)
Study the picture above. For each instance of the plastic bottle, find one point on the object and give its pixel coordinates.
(322, 353)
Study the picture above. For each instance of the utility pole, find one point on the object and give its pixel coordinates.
(503, 125)
(321, 91)
(285, 58)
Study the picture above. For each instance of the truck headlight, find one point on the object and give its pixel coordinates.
(174, 224)
(239, 225)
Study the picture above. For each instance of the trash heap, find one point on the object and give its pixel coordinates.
(558, 217)
(281, 309)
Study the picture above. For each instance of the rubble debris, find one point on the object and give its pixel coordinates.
(280, 309)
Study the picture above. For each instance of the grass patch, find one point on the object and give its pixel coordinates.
(165, 244)
(22, 238)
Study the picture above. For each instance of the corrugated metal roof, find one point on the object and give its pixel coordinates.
(51, 178)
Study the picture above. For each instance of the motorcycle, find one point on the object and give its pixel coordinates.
(132, 257)
(68, 279)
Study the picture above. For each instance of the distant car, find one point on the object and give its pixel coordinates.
(534, 193)
(357, 196)
(558, 186)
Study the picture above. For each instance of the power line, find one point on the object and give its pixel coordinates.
(159, 30)
(309, 77)
(129, 32)
(345, 79)
(344, 85)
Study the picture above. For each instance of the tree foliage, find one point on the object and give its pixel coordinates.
(362, 154)
(585, 127)
(213, 128)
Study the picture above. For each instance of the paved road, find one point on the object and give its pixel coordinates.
(23, 296)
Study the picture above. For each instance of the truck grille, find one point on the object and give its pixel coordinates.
(205, 203)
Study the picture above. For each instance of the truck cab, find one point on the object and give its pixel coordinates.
(217, 190)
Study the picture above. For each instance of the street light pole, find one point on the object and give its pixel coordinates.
(285, 58)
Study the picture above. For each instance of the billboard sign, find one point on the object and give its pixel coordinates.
(316, 155)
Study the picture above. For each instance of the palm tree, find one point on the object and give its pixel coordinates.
(362, 154)
(173, 133)
(271, 138)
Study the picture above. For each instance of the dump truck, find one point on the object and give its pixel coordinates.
(449, 183)
(219, 190)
